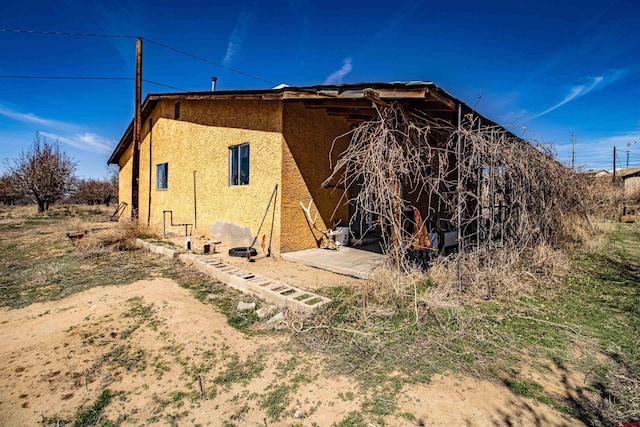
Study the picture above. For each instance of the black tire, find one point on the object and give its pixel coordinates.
(242, 252)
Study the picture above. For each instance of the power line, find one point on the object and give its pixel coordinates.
(87, 78)
(182, 52)
(207, 61)
(64, 33)
(65, 78)
(163, 85)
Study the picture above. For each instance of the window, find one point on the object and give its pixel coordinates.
(162, 176)
(239, 165)
(176, 111)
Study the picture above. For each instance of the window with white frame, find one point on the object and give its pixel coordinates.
(162, 176)
(239, 165)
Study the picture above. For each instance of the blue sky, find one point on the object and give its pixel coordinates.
(547, 68)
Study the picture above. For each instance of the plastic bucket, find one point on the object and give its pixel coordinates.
(342, 236)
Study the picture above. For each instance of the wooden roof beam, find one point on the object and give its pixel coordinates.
(347, 111)
(433, 95)
(374, 96)
(337, 103)
(385, 93)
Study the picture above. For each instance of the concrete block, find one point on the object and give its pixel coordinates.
(273, 292)
(268, 310)
(246, 306)
(276, 318)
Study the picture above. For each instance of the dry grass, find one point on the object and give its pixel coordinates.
(21, 212)
(503, 273)
(392, 286)
(120, 237)
(602, 198)
(540, 304)
(39, 262)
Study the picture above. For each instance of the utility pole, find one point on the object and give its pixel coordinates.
(459, 201)
(614, 165)
(135, 178)
(628, 151)
(573, 151)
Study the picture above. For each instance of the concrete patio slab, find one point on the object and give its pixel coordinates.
(347, 261)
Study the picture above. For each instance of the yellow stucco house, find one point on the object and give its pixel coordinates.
(213, 159)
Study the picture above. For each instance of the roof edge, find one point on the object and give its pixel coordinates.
(279, 93)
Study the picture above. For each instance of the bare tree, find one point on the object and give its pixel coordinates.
(43, 172)
(95, 191)
(10, 191)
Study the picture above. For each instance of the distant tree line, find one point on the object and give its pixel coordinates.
(45, 175)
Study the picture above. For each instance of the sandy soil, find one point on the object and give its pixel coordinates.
(177, 362)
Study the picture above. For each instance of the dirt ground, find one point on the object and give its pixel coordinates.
(172, 360)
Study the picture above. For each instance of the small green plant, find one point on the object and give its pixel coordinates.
(177, 398)
(160, 367)
(243, 372)
(240, 413)
(524, 388)
(353, 419)
(93, 414)
(277, 401)
(380, 404)
(348, 396)
(409, 416)
(126, 357)
(284, 368)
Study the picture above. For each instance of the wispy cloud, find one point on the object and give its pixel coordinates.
(578, 91)
(30, 118)
(238, 36)
(66, 133)
(87, 141)
(337, 76)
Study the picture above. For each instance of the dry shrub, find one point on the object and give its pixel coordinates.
(504, 272)
(576, 229)
(479, 276)
(391, 285)
(443, 292)
(499, 190)
(598, 240)
(622, 398)
(602, 198)
(121, 237)
(391, 290)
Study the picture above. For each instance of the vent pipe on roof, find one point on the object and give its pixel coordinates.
(213, 83)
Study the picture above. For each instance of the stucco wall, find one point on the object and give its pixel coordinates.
(289, 146)
(632, 186)
(308, 136)
(124, 180)
(199, 141)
